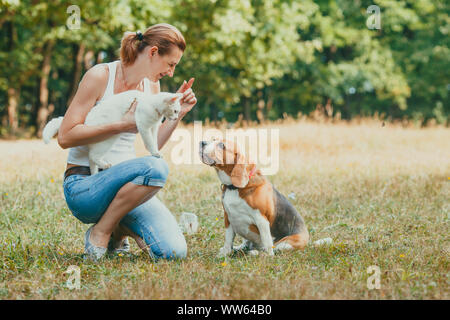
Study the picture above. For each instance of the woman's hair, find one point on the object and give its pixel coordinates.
(162, 35)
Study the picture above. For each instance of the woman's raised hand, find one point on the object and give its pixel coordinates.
(188, 100)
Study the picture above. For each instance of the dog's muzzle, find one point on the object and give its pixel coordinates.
(204, 157)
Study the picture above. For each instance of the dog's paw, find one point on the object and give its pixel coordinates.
(157, 155)
(268, 251)
(223, 252)
(242, 247)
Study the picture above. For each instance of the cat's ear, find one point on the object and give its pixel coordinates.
(174, 97)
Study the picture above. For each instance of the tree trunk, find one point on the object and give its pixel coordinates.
(195, 113)
(78, 64)
(89, 59)
(269, 105)
(43, 111)
(13, 91)
(261, 104)
(247, 110)
(99, 57)
(13, 99)
(4, 123)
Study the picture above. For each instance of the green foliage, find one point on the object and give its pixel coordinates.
(293, 55)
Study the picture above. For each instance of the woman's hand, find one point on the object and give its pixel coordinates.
(128, 122)
(188, 100)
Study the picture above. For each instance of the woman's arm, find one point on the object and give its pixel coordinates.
(73, 132)
(165, 131)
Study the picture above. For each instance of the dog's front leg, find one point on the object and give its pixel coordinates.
(266, 237)
(228, 245)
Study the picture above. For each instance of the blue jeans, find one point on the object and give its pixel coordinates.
(88, 197)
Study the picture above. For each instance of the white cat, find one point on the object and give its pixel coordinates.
(150, 110)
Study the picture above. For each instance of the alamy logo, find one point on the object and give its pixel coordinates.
(374, 20)
(74, 279)
(262, 144)
(74, 20)
(373, 282)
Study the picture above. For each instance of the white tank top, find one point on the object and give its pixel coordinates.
(123, 148)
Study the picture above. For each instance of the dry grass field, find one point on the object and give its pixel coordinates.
(380, 192)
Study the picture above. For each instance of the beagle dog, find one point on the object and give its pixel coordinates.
(253, 208)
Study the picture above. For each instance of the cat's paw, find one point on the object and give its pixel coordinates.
(105, 166)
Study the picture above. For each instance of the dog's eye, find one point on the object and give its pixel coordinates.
(221, 145)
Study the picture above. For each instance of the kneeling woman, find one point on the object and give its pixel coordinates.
(120, 201)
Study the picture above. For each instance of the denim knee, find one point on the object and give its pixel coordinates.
(176, 250)
(161, 167)
(172, 249)
(154, 172)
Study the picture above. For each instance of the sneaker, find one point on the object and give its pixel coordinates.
(118, 246)
(92, 252)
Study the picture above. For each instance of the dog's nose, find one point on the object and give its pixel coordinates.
(202, 143)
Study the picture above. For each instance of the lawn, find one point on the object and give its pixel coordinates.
(380, 192)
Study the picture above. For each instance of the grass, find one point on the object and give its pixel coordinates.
(381, 193)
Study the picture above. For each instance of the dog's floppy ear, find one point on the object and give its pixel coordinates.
(239, 176)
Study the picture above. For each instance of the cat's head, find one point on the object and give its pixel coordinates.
(170, 106)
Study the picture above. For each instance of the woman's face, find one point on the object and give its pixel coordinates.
(161, 66)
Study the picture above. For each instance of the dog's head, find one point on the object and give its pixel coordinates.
(227, 159)
(170, 105)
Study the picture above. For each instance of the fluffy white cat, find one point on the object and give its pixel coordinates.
(150, 110)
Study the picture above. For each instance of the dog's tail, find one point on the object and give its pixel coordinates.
(51, 129)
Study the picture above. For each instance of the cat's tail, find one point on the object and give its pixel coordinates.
(51, 129)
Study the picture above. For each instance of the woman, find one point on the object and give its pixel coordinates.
(120, 200)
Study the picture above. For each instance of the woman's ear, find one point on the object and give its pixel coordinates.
(239, 176)
(152, 51)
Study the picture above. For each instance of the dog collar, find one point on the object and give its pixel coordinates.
(232, 187)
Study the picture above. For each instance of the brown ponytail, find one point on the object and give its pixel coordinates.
(162, 35)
